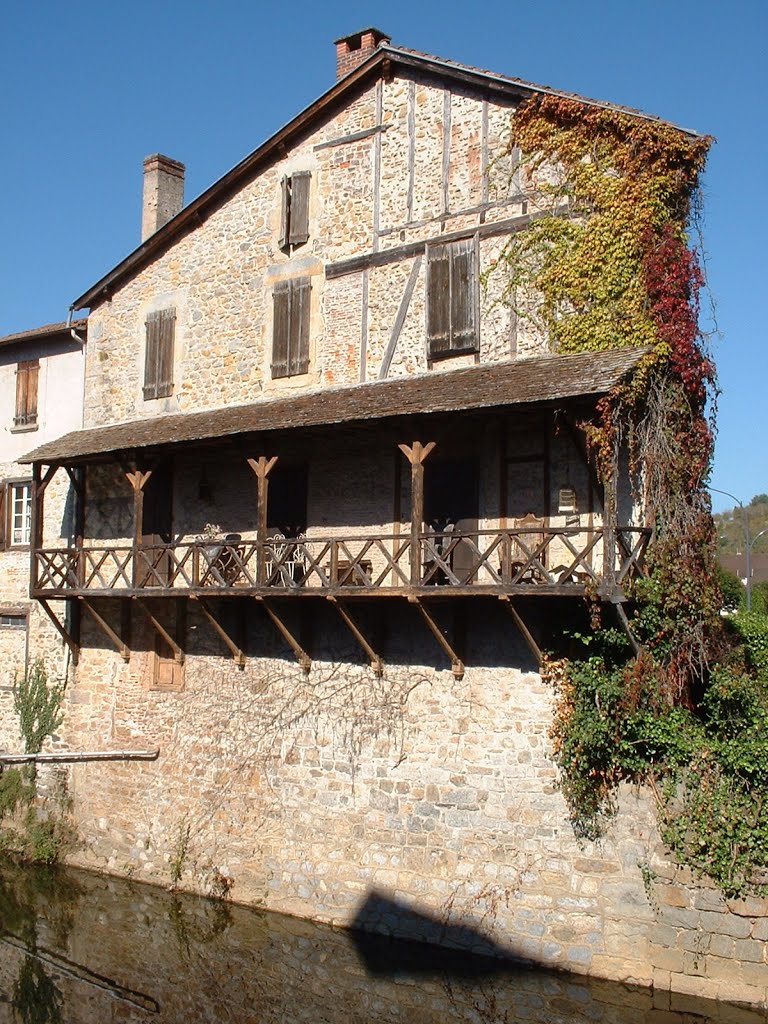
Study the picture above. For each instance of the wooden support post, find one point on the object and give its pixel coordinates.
(71, 642)
(527, 635)
(40, 481)
(633, 641)
(105, 627)
(376, 663)
(303, 658)
(262, 467)
(178, 653)
(457, 665)
(235, 650)
(76, 475)
(416, 455)
(137, 478)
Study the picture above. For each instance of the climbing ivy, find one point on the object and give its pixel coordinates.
(606, 262)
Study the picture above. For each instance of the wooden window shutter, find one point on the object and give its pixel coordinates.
(298, 361)
(158, 361)
(285, 212)
(4, 528)
(27, 373)
(281, 329)
(299, 212)
(463, 296)
(438, 300)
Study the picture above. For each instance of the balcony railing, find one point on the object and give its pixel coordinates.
(566, 560)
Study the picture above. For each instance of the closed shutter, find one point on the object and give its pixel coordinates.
(281, 329)
(3, 516)
(158, 359)
(299, 215)
(285, 212)
(26, 392)
(438, 300)
(299, 344)
(463, 292)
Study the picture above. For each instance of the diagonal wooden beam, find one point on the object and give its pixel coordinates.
(527, 635)
(66, 636)
(237, 653)
(105, 627)
(303, 658)
(457, 665)
(178, 653)
(376, 663)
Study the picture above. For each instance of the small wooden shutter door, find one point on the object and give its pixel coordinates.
(438, 300)
(26, 392)
(281, 328)
(3, 516)
(298, 349)
(285, 212)
(463, 296)
(299, 213)
(167, 331)
(150, 355)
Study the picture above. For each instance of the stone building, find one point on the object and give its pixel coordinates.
(332, 498)
(41, 394)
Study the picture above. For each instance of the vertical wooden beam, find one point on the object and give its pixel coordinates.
(262, 467)
(416, 455)
(40, 481)
(137, 478)
(76, 475)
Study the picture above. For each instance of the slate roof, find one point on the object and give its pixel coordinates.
(522, 382)
(46, 331)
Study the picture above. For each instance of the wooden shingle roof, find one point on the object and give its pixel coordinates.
(495, 385)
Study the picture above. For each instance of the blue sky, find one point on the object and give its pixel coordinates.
(90, 88)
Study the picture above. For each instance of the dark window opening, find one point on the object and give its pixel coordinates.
(451, 493)
(287, 510)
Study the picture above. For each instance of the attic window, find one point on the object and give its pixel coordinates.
(158, 356)
(294, 220)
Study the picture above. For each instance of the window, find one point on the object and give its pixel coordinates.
(15, 513)
(452, 298)
(13, 620)
(290, 328)
(158, 359)
(26, 393)
(294, 221)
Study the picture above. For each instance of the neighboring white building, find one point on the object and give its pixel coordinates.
(41, 397)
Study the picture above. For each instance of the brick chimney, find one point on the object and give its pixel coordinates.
(353, 50)
(163, 192)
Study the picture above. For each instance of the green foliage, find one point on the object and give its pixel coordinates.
(752, 630)
(760, 597)
(180, 851)
(731, 588)
(38, 706)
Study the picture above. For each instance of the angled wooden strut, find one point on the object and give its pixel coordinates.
(236, 652)
(527, 635)
(376, 662)
(70, 640)
(457, 665)
(178, 653)
(303, 658)
(122, 647)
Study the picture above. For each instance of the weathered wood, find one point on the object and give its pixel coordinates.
(303, 658)
(235, 649)
(447, 97)
(416, 455)
(457, 665)
(178, 653)
(527, 635)
(79, 756)
(411, 129)
(376, 662)
(344, 140)
(262, 467)
(105, 627)
(400, 318)
(69, 640)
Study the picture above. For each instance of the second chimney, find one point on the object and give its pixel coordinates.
(163, 192)
(353, 50)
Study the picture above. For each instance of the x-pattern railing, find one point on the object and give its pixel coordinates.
(565, 557)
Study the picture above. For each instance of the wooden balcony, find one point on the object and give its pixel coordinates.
(542, 560)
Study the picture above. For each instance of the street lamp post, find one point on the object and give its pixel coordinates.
(748, 541)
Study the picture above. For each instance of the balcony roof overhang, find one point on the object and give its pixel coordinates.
(525, 382)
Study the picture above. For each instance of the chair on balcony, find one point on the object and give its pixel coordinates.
(533, 540)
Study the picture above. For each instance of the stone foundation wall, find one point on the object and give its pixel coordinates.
(416, 804)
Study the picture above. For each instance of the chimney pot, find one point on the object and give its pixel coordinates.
(352, 50)
(163, 192)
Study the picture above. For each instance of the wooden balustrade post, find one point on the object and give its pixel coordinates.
(262, 467)
(137, 478)
(417, 454)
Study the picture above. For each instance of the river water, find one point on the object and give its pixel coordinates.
(77, 947)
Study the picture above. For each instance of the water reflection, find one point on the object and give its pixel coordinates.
(81, 948)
